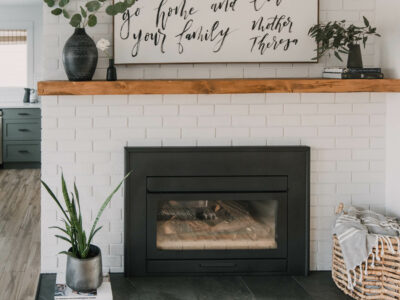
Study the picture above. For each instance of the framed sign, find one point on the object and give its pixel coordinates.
(215, 31)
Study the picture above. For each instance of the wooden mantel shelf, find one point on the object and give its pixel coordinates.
(217, 86)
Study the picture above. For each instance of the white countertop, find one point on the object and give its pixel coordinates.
(19, 105)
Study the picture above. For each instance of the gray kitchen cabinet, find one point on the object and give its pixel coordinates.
(21, 137)
(22, 113)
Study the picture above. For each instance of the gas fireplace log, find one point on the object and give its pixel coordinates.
(178, 234)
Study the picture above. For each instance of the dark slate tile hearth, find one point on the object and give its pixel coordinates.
(176, 288)
(276, 287)
(46, 287)
(318, 285)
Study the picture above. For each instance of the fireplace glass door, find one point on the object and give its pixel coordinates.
(236, 224)
(216, 225)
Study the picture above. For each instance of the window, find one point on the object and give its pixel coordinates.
(13, 58)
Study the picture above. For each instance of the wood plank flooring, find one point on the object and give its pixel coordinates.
(19, 234)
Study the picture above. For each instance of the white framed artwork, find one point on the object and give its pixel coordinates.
(215, 31)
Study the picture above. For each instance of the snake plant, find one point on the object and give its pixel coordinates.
(73, 231)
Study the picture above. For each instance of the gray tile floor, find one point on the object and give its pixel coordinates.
(318, 285)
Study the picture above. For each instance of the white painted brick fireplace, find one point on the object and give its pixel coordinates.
(84, 136)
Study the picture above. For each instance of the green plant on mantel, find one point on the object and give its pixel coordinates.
(73, 232)
(338, 37)
(86, 16)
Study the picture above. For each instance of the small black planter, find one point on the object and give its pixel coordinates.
(80, 56)
(355, 58)
(111, 71)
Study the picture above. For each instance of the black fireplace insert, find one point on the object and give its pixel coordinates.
(224, 210)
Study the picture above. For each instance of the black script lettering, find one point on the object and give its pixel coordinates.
(178, 10)
(137, 12)
(262, 44)
(224, 5)
(201, 34)
(126, 24)
(277, 23)
(157, 38)
(259, 4)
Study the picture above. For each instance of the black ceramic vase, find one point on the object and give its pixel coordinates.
(111, 71)
(80, 56)
(355, 58)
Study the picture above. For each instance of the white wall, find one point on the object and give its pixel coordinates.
(84, 136)
(393, 154)
(24, 14)
(388, 16)
(57, 31)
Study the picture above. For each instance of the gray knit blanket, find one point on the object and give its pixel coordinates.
(359, 234)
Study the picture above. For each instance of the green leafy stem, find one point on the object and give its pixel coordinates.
(338, 37)
(73, 232)
(86, 16)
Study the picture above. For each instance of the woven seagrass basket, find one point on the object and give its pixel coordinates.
(381, 282)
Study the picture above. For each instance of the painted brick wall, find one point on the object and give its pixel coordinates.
(56, 31)
(84, 136)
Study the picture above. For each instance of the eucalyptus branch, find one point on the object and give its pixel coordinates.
(86, 16)
(338, 37)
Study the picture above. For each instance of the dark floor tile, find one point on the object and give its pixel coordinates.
(318, 285)
(221, 288)
(188, 288)
(158, 288)
(46, 287)
(321, 286)
(275, 287)
(122, 288)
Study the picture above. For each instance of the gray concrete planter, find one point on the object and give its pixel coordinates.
(85, 275)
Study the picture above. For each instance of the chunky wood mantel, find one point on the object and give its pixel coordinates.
(217, 86)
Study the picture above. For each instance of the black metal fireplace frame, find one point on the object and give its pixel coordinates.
(285, 171)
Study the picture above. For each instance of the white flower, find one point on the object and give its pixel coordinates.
(103, 44)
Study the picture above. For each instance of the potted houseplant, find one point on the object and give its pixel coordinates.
(84, 265)
(342, 39)
(80, 53)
